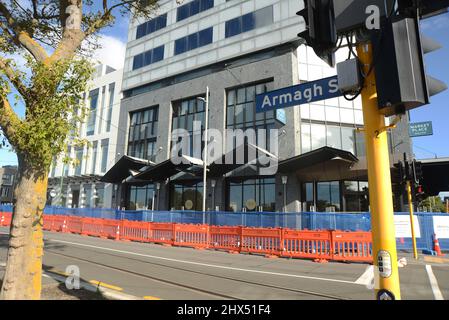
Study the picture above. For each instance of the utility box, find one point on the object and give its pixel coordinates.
(349, 76)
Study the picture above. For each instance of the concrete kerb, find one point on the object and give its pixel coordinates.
(108, 293)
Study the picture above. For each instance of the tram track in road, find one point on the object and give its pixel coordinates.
(194, 288)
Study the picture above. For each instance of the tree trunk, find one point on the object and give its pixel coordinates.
(23, 274)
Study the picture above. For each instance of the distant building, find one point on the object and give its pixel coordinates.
(79, 186)
(8, 177)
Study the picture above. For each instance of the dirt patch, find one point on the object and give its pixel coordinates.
(60, 292)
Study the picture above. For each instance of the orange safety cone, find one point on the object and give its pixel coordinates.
(436, 245)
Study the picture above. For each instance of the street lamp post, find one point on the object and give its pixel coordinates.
(284, 183)
(206, 125)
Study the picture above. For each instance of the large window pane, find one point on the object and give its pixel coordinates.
(347, 135)
(333, 137)
(318, 135)
(305, 138)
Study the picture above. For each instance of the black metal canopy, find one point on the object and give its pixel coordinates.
(125, 167)
(319, 164)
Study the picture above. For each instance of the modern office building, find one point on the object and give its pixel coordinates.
(238, 49)
(8, 177)
(77, 184)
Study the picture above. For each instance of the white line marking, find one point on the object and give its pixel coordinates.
(2, 264)
(433, 283)
(367, 277)
(204, 264)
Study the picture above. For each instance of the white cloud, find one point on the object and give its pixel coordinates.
(112, 51)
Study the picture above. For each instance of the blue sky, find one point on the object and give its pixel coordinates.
(437, 64)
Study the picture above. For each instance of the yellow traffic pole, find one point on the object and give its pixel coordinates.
(410, 205)
(380, 190)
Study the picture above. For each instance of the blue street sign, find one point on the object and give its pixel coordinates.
(421, 129)
(299, 94)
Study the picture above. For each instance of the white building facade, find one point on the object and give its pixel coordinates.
(77, 185)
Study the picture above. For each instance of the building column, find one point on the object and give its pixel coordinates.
(94, 196)
(82, 201)
(69, 196)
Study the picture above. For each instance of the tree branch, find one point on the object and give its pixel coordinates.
(9, 120)
(13, 77)
(23, 38)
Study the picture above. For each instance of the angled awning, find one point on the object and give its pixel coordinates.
(323, 163)
(127, 166)
(168, 168)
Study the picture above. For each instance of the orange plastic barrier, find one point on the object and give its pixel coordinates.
(307, 244)
(135, 231)
(352, 246)
(92, 227)
(111, 229)
(326, 245)
(74, 225)
(48, 222)
(5, 219)
(191, 235)
(58, 223)
(227, 238)
(261, 240)
(161, 232)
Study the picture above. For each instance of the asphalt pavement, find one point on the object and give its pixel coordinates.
(153, 271)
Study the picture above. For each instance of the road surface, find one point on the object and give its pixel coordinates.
(153, 271)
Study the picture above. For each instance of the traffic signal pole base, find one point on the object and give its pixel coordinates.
(380, 189)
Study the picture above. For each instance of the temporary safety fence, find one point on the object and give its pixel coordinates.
(282, 242)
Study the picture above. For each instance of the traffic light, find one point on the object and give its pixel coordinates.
(417, 171)
(401, 79)
(399, 174)
(419, 194)
(321, 32)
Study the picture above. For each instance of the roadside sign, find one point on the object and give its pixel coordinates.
(421, 129)
(299, 94)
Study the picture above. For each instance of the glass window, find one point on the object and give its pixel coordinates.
(332, 114)
(241, 113)
(333, 137)
(328, 196)
(318, 135)
(140, 198)
(148, 57)
(305, 138)
(205, 37)
(244, 194)
(151, 26)
(94, 157)
(104, 154)
(192, 8)
(186, 196)
(158, 54)
(79, 160)
(263, 17)
(138, 61)
(185, 112)
(250, 21)
(347, 138)
(143, 134)
(193, 41)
